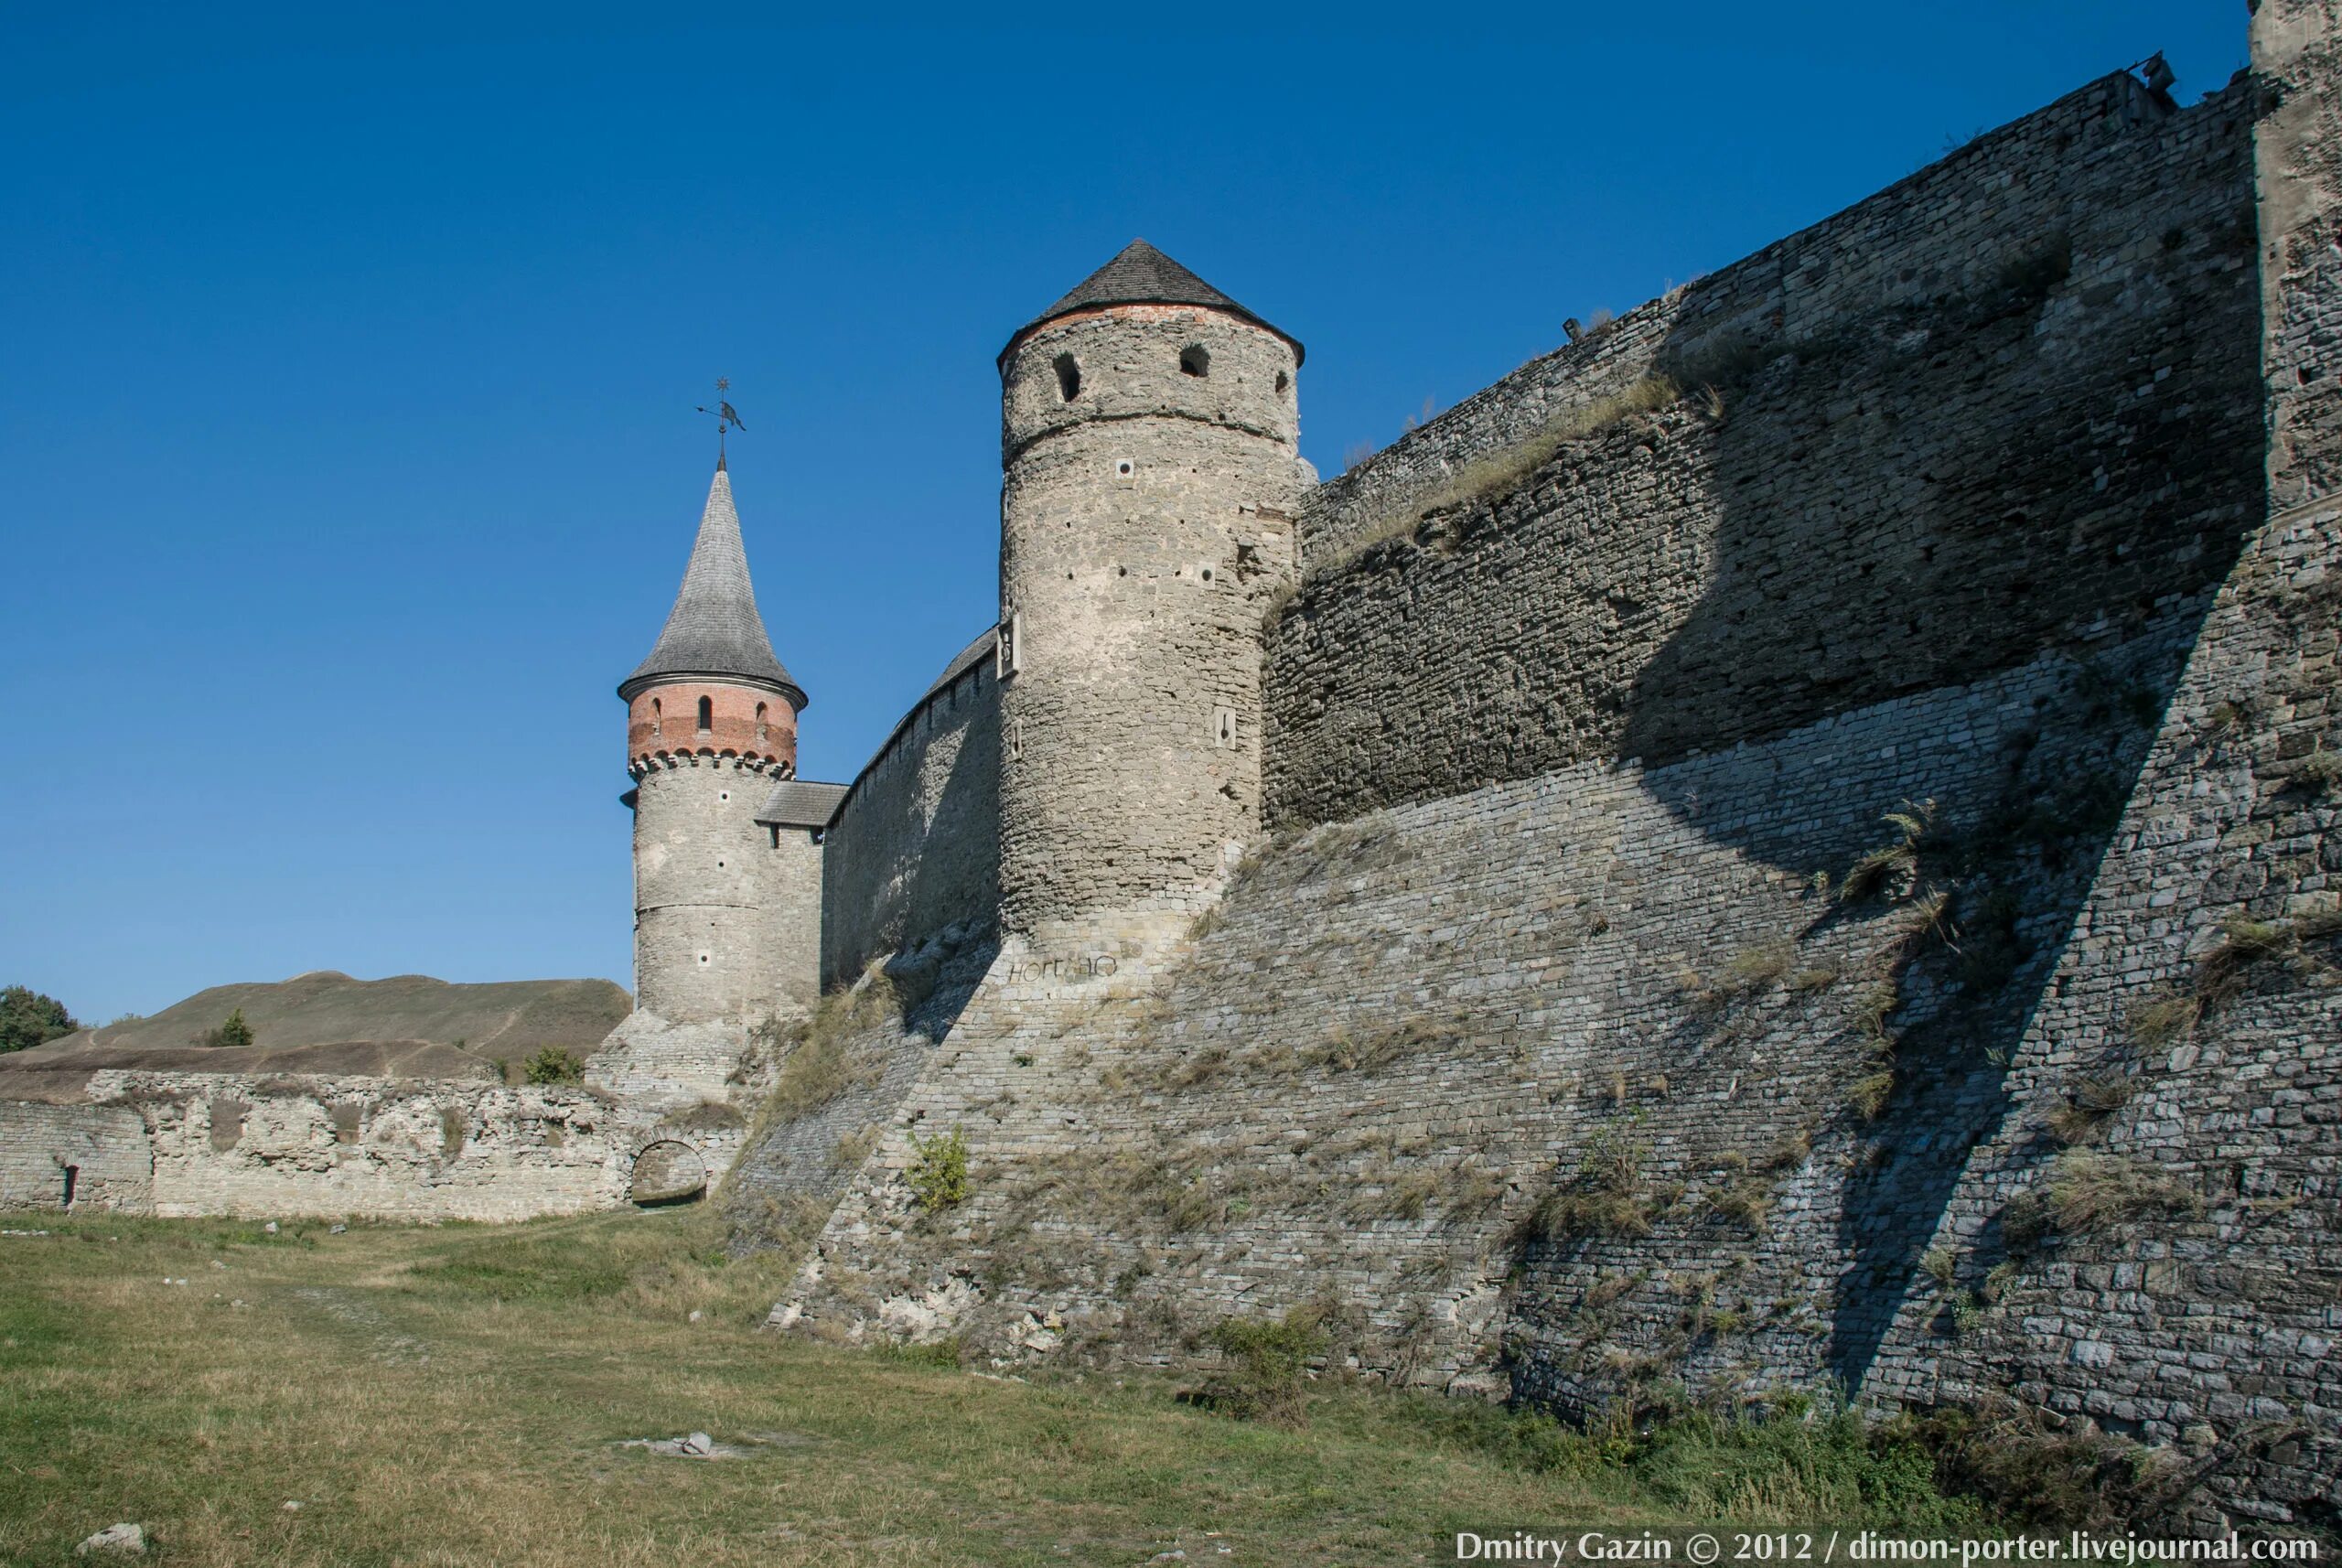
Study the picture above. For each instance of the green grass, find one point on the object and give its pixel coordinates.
(457, 1394)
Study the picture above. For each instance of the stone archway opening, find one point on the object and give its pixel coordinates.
(667, 1172)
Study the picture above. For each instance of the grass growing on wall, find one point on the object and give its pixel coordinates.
(459, 1395)
(1499, 473)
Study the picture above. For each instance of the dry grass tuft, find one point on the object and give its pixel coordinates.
(2090, 1191)
(2093, 1100)
(825, 1064)
(1869, 1094)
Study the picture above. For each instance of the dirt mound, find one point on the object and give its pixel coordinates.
(409, 1026)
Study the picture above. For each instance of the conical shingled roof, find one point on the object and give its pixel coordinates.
(714, 632)
(1141, 274)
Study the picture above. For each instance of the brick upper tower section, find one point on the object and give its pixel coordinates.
(712, 685)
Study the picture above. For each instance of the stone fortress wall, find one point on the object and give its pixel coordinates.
(1724, 834)
(1545, 1047)
(914, 847)
(2006, 404)
(105, 1147)
(278, 1145)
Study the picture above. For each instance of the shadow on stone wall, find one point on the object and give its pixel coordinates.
(948, 858)
(2009, 483)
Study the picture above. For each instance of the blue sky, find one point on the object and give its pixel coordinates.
(348, 356)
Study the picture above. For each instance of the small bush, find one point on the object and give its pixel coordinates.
(942, 1353)
(555, 1064)
(231, 1031)
(2163, 1020)
(1745, 1203)
(939, 1171)
(2034, 1479)
(2032, 276)
(1939, 1264)
(1268, 1365)
(1871, 1010)
(1754, 968)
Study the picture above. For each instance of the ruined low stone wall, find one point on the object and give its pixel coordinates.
(192, 1144)
(915, 845)
(105, 1146)
(2012, 404)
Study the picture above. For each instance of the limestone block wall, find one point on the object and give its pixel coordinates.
(2107, 167)
(1145, 525)
(2008, 404)
(915, 845)
(1394, 1047)
(2196, 1015)
(727, 925)
(1615, 1035)
(105, 1146)
(228, 1144)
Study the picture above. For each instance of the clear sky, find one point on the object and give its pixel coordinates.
(348, 356)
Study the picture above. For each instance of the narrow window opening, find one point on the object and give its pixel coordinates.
(1194, 361)
(760, 722)
(1284, 380)
(1068, 377)
(706, 715)
(655, 724)
(73, 1176)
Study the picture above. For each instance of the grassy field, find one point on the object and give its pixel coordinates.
(460, 1395)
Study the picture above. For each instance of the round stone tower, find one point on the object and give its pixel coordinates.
(1151, 474)
(711, 725)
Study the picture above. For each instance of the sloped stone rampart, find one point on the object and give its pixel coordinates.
(1397, 1037)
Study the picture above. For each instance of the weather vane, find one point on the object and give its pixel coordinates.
(727, 417)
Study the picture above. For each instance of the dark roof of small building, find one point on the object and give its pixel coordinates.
(1141, 274)
(714, 632)
(801, 803)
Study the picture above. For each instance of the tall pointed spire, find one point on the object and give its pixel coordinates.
(714, 632)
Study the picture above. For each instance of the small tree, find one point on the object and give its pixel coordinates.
(27, 1019)
(556, 1065)
(939, 1171)
(232, 1031)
